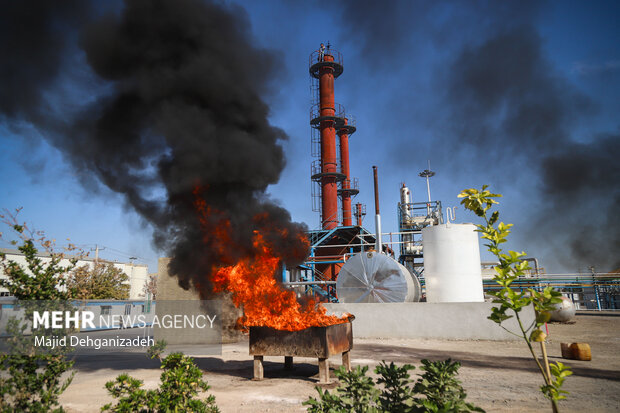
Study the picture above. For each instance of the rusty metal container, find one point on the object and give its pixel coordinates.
(319, 342)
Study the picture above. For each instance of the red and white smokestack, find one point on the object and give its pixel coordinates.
(378, 243)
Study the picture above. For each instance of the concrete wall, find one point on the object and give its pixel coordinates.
(457, 321)
(168, 290)
(172, 299)
(168, 286)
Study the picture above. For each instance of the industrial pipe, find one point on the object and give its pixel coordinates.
(536, 267)
(358, 214)
(309, 283)
(378, 243)
(347, 220)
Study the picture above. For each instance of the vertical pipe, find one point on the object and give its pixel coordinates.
(378, 243)
(358, 214)
(428, 191)
(597, 295)
(347, 219)
(376, 181)
(329, 187)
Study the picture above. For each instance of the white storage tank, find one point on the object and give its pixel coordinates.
(565, 311)
(370, 277)
(452, 263)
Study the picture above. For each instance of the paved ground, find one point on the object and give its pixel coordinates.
(498, 376)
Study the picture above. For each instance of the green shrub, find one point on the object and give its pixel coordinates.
(442, 391)
(181, 380)
(30, 379)
(397, 395)
(357, 393)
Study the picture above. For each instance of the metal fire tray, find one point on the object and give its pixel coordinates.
(319, 342)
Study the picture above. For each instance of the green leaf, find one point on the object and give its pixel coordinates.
(538, 335)
(543, 317)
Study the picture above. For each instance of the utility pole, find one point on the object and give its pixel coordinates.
(97, 252)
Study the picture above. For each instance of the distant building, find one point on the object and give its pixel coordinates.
(137, 273)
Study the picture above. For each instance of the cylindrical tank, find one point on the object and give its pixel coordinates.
(452, 263)
(370, 277)
(405, 217)
(565, 311)
(405, 199)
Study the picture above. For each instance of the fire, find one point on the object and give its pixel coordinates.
(252, 282)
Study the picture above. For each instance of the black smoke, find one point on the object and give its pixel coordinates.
(33, 39)
(388, 34)
(505, 94)
(179, 108)
(583, 182)
(508, 101)
(504, 104)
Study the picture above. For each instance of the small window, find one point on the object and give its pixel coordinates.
(106, 309)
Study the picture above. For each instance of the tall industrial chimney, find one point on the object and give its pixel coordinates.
(349, 187)
(328, 118)
(325, 66)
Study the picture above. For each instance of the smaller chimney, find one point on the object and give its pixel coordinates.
(378, 243)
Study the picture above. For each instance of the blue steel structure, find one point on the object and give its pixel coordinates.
(589, 292)
(329, 249)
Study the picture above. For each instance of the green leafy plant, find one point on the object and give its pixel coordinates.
(130, 394)
(511, 300)
(357, 393)
(397, 395)
(156, 350)
(181, 380)
(440, 391)
(32, 380)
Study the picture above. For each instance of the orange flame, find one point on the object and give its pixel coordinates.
(252, 281)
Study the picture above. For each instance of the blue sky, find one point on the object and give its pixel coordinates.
(405, 81)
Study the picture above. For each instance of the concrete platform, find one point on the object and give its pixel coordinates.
(452, 321)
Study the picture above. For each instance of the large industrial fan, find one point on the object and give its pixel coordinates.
(369, 277)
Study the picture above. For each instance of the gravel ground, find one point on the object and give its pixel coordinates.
(498, 376)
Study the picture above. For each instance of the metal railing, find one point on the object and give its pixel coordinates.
(317, 56)
(316, 115)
